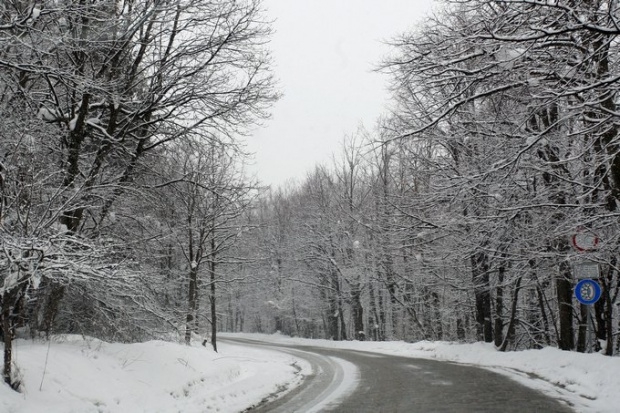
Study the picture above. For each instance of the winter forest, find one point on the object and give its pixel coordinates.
(126, 211)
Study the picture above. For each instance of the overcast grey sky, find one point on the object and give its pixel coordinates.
(324, 53)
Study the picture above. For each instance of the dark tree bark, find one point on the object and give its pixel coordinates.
(377, 322)
(332, 319)
(564, 292)
(482, 295)
(9, 311)
(192, 297)
(510, 332)
(7, 335)
(212, 266)
(543, 314)
(460, 329)
(358, 313)
(499, 307)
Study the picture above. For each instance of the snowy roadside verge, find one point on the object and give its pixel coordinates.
(587, 382)
(89, 375)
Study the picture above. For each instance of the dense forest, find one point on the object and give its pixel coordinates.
(126, 213)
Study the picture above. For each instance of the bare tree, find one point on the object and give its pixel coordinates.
(108, 83)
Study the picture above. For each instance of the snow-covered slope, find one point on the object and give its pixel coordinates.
(88, 375)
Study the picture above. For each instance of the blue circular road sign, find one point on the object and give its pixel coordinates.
(587, 292)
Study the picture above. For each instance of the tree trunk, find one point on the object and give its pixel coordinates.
(378, 321)
(342, 330)
(482, 294)
(294, 310)
(343, 327)
(605, 331)
(564, 291)
(543, 314)
(460, 329)
(499, 307)
(332, 321)
(192, 304)
(212, 298)
(358, 313)
(436, 305)
(7, 334)
(510, 332)
(8, 300)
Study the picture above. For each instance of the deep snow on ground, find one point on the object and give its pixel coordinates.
(88, 375)
(590, 383)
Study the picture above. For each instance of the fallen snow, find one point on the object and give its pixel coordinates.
(587, 382)
(88, 375)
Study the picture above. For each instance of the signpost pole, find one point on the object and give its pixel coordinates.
(587, 290)
(589, 330)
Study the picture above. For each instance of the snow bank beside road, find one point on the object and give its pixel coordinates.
(84, 376)
(587, 382)
(94, 376)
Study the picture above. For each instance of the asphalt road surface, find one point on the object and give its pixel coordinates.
(390, 384)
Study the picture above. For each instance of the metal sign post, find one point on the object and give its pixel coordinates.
(587, 291)
(590, 328)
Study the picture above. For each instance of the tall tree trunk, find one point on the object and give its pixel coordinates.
(436, 305)
(295, 318)
(564, 291)
(192, 298)
(543, 314)
(212, 297)
(9, 300)
(377, 320)
(482, 295)
(358, 312)
(332, 319)
(510, 333)
(342, 324)
(460, 329)
(604, 312)
(499, 307)
(7, 335)
(342, 330)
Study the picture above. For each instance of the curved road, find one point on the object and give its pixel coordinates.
(398, 384)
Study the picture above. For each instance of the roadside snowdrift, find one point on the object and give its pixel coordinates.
(88, 375)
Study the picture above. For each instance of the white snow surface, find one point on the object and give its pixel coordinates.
(87, 375)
